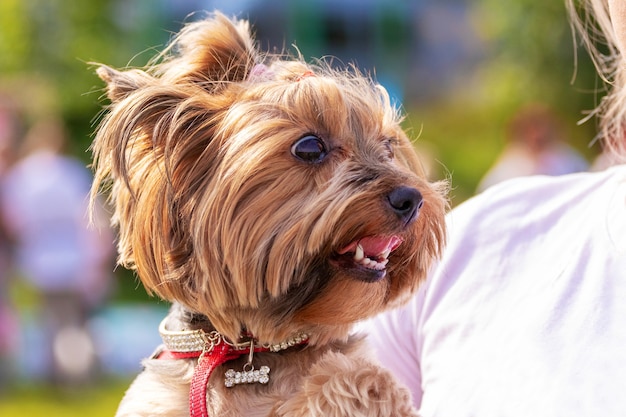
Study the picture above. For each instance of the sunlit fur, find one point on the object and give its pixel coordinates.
(215, 213)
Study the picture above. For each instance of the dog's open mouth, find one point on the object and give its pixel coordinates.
(369, 255)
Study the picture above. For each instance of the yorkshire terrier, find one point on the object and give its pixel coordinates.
(275, 203)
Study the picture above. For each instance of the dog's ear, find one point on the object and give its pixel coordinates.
(211, 52)
(214, 52)
(121, 83)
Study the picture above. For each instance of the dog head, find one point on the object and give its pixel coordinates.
(263, 192)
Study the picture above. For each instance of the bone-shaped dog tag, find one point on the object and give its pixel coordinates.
(261, 376)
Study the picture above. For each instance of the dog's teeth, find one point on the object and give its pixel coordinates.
(370, 263)
(359, 254)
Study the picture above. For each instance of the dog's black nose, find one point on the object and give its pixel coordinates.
(405, 202)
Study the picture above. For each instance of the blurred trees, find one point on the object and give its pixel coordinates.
(532, 54)
(45, 50)
(527, 55)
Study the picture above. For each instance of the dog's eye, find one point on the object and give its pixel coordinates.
(309, 149)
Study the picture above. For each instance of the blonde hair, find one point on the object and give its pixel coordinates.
(592, 20)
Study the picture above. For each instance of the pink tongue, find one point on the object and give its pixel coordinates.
(373, 245)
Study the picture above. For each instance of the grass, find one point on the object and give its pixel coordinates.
(36, 400)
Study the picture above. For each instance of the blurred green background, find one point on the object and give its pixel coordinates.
(461, 69)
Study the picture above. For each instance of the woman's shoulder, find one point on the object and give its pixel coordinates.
(538, 196)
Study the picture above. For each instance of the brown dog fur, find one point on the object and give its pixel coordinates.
(216, 214)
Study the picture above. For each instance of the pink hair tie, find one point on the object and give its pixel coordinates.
(306, 74)
(261, 72)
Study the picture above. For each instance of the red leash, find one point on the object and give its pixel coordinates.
(201, 375)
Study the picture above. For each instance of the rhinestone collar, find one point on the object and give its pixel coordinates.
(187, 341)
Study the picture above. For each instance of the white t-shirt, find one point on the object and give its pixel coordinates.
(525, 315)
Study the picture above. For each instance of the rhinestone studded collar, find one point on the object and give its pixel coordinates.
(189, 341)
(212, 350)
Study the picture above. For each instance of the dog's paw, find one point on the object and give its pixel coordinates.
(339, 385)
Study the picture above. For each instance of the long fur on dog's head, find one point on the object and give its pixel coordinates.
(215, 210)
